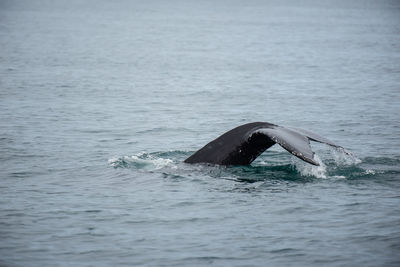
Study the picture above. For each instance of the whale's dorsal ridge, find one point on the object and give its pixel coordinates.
(243, 144)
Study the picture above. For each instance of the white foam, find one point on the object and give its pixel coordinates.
(113, 161)
(370, 172)
(141, 160)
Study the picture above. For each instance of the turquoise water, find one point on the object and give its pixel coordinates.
(100, 103)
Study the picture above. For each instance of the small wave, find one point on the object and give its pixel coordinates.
(141, 161)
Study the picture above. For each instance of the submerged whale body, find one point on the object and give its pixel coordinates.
(243, 144)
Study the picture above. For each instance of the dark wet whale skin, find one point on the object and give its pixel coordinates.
(239, 146)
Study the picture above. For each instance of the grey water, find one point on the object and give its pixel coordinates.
(101, 101)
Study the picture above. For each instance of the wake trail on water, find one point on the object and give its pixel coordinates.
(141, 160)
(334, 164)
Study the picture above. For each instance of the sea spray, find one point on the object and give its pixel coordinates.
(343, 157)
(306, 169)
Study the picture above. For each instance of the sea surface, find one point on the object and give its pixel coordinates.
(101, 101)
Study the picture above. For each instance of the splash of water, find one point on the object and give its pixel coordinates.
(343, 157)
(306, 169)
(340, 157)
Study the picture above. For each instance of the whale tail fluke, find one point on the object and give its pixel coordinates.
(243, 144)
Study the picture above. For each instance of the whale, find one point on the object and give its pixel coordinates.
(243, 144)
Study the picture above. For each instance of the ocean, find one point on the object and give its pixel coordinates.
(102, 101)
